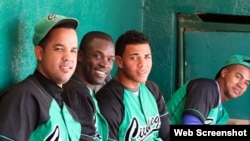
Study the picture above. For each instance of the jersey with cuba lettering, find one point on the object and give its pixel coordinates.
(200, 97)
(30, 113)
(131, 116)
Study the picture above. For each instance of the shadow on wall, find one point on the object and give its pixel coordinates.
(17, 56)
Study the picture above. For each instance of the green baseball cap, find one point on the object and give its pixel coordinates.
(47, 23)
(235, 60)
(238, 59)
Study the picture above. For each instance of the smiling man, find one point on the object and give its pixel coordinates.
(95, 61)
(33, 110)
(199, 101)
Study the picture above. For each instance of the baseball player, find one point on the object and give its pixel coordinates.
(33, 110)
(134, 106)
(199, 101)
(95, 61)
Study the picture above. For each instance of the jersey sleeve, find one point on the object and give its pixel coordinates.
(76, 96)
(19, 114)
(164, 131)
(202, 96)
(111, 107)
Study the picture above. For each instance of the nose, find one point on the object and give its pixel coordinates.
(68, 55)
(142, 62)
(104, 63)
(241, 84)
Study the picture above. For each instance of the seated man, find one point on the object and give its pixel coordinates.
(95, 61)
(199, 101)
(133, 106)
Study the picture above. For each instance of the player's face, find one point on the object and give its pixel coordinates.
(236, 80)
(135, 63)
(98, 62)
(57, 60)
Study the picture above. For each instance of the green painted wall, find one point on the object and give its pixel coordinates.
(19, 16)
(159, 22)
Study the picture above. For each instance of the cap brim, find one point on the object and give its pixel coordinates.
(70, 21)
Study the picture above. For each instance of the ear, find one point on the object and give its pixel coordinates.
(118, 60)
(39, 53)
(80, 56)
(224, 72)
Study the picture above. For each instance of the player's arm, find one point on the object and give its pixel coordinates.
(164, 131)
(18, 115)
(111, 109)
(77, 97)
(202, 95)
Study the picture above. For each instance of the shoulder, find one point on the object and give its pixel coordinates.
(154, 89)
(152, 85)
(28, 85)
(113, 90)
(111, 87)
(74, 81)
(75, 85)
(202, 82)
(27, 91)
(203, 88)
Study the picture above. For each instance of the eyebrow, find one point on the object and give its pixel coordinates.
(242, 76)
(134, 54)
(102, 53)
(139, 54)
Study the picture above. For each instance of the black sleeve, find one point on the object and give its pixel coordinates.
(164, 131)
(76, 96)
(111, 107)
(19, 114)
(202, 96)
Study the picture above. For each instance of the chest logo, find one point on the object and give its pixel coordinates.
(135, 131)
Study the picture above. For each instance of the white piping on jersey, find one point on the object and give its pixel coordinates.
(218, 87)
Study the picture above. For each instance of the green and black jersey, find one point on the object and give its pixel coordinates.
(31, 113)
(82, 100)
(200, 97)
(134, 117)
